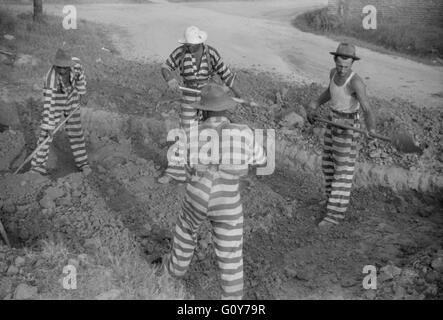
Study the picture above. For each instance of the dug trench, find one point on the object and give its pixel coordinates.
(120, 207)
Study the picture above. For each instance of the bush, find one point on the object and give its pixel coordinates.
(318, 20)
(417, 40)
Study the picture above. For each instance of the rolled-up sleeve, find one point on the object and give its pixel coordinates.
(173, 61)
(48, 121)
(226, 75)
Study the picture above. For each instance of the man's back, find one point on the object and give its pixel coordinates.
(227, 146)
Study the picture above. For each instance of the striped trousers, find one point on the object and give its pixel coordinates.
(188, 116)
(339, 156)
(76, 140)
(214, 196)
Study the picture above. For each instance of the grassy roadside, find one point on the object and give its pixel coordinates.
(417, 42)
(117, 277)
(101, 272)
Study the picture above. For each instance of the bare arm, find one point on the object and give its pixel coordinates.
(360, 91)
(324, 97)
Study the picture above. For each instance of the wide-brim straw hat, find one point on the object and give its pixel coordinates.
(193, 35)
(61, 59)
(214, 98)
(346, 50)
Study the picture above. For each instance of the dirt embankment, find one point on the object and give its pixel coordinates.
(120, 206)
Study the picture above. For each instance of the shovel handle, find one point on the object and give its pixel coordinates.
(379, 136)
(46, 139)
(189, 89)
(343, 126)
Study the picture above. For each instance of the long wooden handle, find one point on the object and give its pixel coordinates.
(343, 126)
(46, 140)
(189, 89)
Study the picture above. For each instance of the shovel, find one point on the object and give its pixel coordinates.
(242, 101)
(47, 139)
(402, 141)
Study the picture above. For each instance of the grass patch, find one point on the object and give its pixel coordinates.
(126, 274)
(421, 41)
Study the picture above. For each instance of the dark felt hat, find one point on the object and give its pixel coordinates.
(346, 50)
(61, 59)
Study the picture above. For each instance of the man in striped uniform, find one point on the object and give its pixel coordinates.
(347, 93)
(197, 63)
(212, 191)
(64, 89)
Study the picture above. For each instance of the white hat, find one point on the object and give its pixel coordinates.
(194, 35)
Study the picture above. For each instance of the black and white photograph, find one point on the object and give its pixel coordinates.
(202, 150)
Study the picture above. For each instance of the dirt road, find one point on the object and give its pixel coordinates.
(259, 35)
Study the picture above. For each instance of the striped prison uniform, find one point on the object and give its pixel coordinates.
(213, 193)
(61, 98)
(339, 156)
(195, 78)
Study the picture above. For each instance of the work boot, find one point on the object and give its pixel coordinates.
(34, 177)
(38, 172)
(164, 179)
(325, 224)
(328, 222)
(86, 170)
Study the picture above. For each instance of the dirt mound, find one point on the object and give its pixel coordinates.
(98, 217)
(421, 278)
(67, 210)
(120, 207)
(21, 188)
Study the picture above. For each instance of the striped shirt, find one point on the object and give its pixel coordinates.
(236, 150)
(192, 74)
(60, 96)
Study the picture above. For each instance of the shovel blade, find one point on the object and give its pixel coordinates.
(404, 143)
